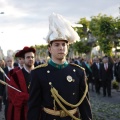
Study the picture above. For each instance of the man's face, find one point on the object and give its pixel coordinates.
(105, 60)
(9, 61)
(58, 49)
(97, 60)
(29, 59)
(21, 61)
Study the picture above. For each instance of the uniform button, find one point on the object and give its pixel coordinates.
(74, 70)
(48, 71)
(73, 93)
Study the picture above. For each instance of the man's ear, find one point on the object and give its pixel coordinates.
(49, 49)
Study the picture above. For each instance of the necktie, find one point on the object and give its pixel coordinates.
(106, 67)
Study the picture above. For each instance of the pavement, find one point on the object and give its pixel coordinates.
(2, 113)
(115, 97)
(103, 108)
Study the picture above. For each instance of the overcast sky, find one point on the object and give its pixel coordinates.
(25, 22)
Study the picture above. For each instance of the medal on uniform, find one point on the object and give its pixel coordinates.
(69, 78)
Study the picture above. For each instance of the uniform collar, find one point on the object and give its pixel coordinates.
(59, 66)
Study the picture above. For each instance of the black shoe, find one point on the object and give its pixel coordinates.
(118, 90)
(98, 93)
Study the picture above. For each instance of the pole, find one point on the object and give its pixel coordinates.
(4, 73)
(4, 83)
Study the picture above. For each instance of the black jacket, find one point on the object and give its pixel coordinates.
(40, 95)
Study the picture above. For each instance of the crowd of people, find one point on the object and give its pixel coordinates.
(100, 73)
(56, 89)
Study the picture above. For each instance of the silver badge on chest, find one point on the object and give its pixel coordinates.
(69, 78)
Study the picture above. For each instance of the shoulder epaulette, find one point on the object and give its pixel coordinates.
(42, 65)
(77, 66)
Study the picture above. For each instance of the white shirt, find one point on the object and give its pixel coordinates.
(106, 66)
(98, 66)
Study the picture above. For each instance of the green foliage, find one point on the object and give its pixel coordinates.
(94, 26)
(106, 46)
(82, 47)
(41, 46)
(103, 28)
(115, 84)
(82, 32)
(41, 50)
(106, 25)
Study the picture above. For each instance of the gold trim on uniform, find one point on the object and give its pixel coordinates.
(42, 65)
(77, 66)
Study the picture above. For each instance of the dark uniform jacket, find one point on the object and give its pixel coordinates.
(40, 95)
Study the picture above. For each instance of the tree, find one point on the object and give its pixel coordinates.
(41, 50)
(103, 28)
(83, 46)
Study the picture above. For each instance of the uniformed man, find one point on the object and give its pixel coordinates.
(59, 89)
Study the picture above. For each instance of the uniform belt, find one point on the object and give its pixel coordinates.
(60, 113)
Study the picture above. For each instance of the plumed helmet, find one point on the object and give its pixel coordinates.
(61, 29)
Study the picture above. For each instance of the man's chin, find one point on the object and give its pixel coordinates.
(61, 57)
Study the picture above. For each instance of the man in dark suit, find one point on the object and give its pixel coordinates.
(87, 66)
(106, 74)
(96, 74)
(117, 72)
(77, 61)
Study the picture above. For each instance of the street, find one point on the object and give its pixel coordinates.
(103, 108)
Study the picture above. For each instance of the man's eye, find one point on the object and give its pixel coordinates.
(56, 45)
(30, 57)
